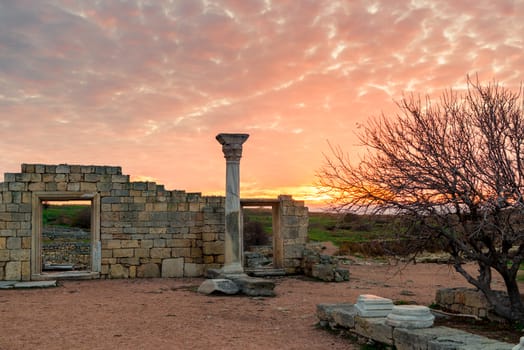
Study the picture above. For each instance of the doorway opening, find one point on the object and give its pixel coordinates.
(264, 238)
(66, 235)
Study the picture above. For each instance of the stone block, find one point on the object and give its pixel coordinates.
(254, 286)
(19, 254)
(149, 270)
(36, 186)
(4, 255)
(179, 243)
(181, 252)
(13, 271)
(73, 186)
(26, 270)
(63, 169)
(123, 253)
(3, 241)
(374, 328)
(142, 253)
(129, 243)
(173, 267)
(112, 244)
(118, 271)
(218, 286)
(213, 248)
(193, 270)
(160, 253)
(129, 261)
(14, 243)
(369, 305)
(324, 272)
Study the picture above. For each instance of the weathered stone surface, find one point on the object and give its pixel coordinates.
(35, 284)
(369, 305)
(193, 270)
(173, 267)
(13, 271)
(374, 328)
(118, 271)
(149, 270)
(213, 286)
(255, 287)
(7, 284)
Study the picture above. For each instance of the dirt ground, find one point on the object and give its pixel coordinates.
(170, 314)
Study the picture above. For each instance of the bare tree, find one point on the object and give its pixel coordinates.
(455, 168)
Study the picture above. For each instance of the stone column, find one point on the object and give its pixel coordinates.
(233, 255)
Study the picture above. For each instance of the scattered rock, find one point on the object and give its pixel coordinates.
(221, 285)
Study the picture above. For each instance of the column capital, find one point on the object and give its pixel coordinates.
(232, 145)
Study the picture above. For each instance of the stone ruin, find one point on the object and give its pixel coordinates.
(138, 229)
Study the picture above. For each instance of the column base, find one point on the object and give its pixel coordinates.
(233, 269)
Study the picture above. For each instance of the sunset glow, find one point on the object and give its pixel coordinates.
(147, 85)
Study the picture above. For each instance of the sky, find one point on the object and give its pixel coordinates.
(147, 85)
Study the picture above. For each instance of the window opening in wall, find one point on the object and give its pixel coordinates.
(66, 241)
(258, 237)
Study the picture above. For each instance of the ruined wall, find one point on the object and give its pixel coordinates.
(145, 230)
(294, 221)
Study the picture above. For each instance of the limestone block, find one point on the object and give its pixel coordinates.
(61, 186)
(196, 252)
(73, 186)
(142, 252)
(3, 241)
(193, 270)
(213, 248)
(123, 253)
(129, 243)
(132, 271)
(369, 305)
(160, 253)
(181, 252)
(209, 236)
(118, 271)
(173, 267)
(374, 328)
(26, 243)
(36, 186)
(129, 261)
(14, 243)
(112, 244)
(254, 286)
(146, 243)
(26, 270)
(4, 255)
(218, 286)
(63, 169)
(17, 186)
(344, 315)
(13, 271)
(20, 254)
(149, 270)
(120, 178)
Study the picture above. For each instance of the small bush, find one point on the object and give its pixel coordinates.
(254, 234)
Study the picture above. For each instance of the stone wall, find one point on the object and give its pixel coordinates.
(468, 301)
(144, 229)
